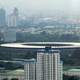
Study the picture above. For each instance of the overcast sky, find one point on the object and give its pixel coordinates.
(65, 6)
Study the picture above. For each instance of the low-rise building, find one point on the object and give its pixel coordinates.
(72, 72)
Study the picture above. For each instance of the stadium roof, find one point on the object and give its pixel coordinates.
(42, 45)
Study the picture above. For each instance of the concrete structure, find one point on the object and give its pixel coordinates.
(13, 18)
(30, 69)
(2, 17)
(49, 66)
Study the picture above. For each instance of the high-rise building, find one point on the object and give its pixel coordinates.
(49, 66)
(2, 17)
(30, 69)
(13, 18)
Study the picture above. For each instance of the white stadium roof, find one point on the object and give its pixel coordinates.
(36, 45)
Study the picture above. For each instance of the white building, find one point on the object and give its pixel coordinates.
(49, 66)
(30, 69)
(13, 18)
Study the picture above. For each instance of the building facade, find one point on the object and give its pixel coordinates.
(13, 18)
(49, 66)
(30, 69)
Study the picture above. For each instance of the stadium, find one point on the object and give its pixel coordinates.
(70, 51)
(41, 45)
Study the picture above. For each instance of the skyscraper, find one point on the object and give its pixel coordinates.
(2, 17)
(49, 66)
(13, 18)
(30, 69)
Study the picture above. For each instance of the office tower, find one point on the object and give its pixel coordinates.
(13, 18)
(49, 66)
(30, 69)
(2, 17)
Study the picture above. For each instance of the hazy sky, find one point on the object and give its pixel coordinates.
(64, 6)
